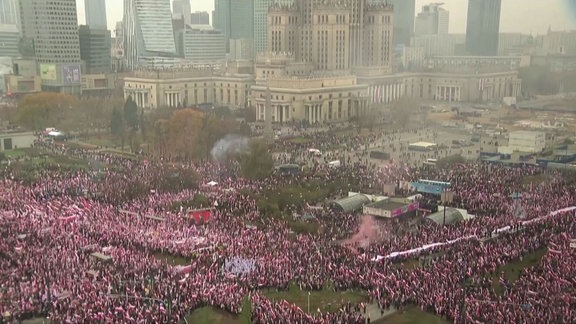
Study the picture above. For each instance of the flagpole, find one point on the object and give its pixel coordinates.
(308, 302)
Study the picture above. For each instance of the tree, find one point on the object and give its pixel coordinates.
(183, 130)
(257, 162)
(116, 123)
(131, 113)
(46, 109)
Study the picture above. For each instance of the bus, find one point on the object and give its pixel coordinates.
(431, 162)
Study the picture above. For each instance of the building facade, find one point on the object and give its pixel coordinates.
(440, 45)
(9, 12)
(203, 44)
(200, 18)
(404, 11)
(432, 20)
(95, 48)
(483, 27)
(235, 18)
(560, 42)
(147, 31)
(57, 49)
(332, 35)
(501, 62)
(154, 89)
(181, 10)
(261, 22)
(95, 12)
(241, 49)
(9, 41)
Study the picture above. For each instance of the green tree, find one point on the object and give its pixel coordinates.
(131, 113)
(116, 123)
(257, 162)
(45, 109)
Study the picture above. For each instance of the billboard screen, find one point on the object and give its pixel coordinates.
(48, 72)
(71, 74)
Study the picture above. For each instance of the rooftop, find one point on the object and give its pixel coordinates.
(386, 204)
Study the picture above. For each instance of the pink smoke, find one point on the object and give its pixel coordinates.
(368, 233)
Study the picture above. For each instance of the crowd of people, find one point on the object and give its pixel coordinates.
(72, 257)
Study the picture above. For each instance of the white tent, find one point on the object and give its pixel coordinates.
(212, 183)
(55, 133)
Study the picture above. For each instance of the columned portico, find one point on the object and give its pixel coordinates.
(448, 93)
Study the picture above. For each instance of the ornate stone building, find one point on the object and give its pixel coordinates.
(334, 35)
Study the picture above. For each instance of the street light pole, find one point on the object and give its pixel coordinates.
(308, 302)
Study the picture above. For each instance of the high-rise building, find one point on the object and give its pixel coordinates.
(261, 22)
(404, 11)
(200, 18)
(181, 10)
(483, 27)
(148, 32)
(57, 48)
(432, 20)
(333, 34)
(235, 18)
(95, 47)
(8, 12)
(203, 44)
(95, 11)
(9, 41)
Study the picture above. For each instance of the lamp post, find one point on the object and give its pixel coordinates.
(446, 197)
(308, 302)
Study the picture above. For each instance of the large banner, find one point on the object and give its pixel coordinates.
(71, 74)
(48, 72)
(405, 209)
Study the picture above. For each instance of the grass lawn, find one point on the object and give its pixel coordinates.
(325, 300)
(18, 153)
(213, 315)
(412, 315)
(300, 140)
(513, 270)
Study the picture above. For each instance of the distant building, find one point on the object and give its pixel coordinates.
(181, 10)
(261, 8)
(440, 45)
(200, 18)
(404, 11)
(148, 33)
(483, 27)
(338, 31)
(555, 62)
(15, 140)
(432, 20)
(95, 12)
(501, 62)
(241, 49)
(188, 87)
(9, 41)
(411, 58)
(57, 49)
(235, 18)
(9, 12)
(203, 44)
(560, 42)
(95, 47)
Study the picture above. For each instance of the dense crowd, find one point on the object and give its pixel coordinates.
(52, 226)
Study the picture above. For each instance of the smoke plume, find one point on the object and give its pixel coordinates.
(229, 144)
(368, 233)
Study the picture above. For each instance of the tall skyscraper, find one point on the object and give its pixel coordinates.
(52, 29)
(200, 18)
(95, 49)
(235, 18)
(404, 11)
(148, 32)
(95, 11)
(181, 10)
(432, 20)
(8, 12)
(482, 27)
(261, 22)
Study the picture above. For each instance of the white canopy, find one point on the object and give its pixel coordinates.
(212, 183)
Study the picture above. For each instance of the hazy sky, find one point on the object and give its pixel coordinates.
(526, 16)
